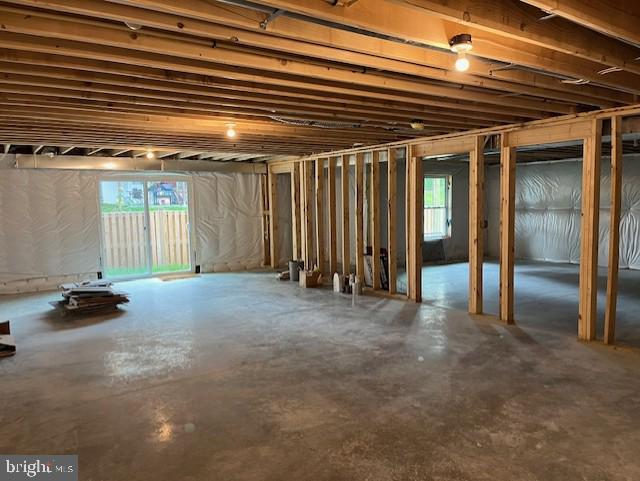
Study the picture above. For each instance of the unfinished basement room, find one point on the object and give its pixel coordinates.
(325, 240)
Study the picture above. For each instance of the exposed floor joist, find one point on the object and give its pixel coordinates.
(314, 78)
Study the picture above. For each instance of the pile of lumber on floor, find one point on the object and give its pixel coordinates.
(90, 296)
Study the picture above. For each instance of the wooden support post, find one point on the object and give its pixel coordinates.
(346, 241)
(375, 219)
(415, 233)
(391, 219)
(295, 212)
(588, 305)
(307, 214)
(319, 197)
(476, 224)
(614, 230)
(360, 216)
(266, 213)
(273, 223)
(507, 229)
(333, 253)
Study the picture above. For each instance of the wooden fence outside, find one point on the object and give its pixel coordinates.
(125, 242)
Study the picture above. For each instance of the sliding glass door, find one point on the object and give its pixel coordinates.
(169, 226)
(145, 227)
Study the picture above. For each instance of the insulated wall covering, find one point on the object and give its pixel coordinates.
(548, 205)
(50, 225)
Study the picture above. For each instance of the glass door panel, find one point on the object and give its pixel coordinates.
(125, 243)
(169, 226)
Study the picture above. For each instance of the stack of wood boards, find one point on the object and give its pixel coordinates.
(90, 296)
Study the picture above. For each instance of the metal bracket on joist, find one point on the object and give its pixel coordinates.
(265, 23)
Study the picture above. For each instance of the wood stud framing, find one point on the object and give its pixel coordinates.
(307, 213)
(296, 238)
(586, 127)
(391, 219)
(614, 230)
(507, 229)
(360, 193)
(476, 224)
(266, 214)
(414, 226)
(346, 240)
(331, 190)
(375, 218)
(319, 218)
(587, 306)
(273, 224)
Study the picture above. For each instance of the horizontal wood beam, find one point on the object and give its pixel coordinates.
(619, 20)
(318, 42)
(62, 28)
(406, 23)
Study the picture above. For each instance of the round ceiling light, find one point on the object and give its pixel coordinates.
(231, 131)
(461, 44)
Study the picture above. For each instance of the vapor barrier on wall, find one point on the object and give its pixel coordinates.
(50, 225)
(548, 206)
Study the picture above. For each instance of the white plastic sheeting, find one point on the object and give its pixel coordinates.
(283, 211)
(548, 206)
(228, 221)
(50, 225)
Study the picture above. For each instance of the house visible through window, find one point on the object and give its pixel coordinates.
(437, 207)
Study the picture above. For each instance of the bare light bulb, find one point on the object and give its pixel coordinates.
(150, 155)
(231, 131)
(462, 63)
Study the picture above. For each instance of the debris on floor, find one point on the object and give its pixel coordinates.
(90, 296)
(284, 275)
(310, 278)
(7, 343)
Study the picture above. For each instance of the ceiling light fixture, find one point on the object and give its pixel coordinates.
(231, 131)
(461, 44)
(150, 155)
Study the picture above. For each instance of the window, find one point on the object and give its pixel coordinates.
(437, 207)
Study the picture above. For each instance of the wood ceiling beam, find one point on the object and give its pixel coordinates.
(347, 42)
(56, 66)
(616, 19)
(157, 139)
(23, 84)
(191, 125)
(21, 117)
(178, 66)
(438, 66)
(520, 21)
(62, 28)
(243, 147)
(405, 22)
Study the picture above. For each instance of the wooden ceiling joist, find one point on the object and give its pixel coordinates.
(58, 28)
(436, 66)
(71, 72)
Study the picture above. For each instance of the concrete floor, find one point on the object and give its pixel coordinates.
(546, 295)
(242, 377)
